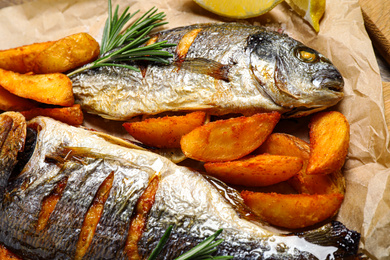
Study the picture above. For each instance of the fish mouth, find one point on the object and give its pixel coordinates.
(332, 81)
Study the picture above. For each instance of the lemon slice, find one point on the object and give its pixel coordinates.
(311, 10)
(238, 8)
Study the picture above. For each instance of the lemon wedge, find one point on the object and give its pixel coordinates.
(240, 9)
(311, 10)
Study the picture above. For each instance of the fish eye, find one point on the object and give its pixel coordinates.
(306, 54)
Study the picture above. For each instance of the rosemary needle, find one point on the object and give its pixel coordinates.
(118, 47)
(202, 251)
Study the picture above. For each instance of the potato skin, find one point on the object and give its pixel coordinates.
(285, 144)
(67, 53)
(165, 132)
(256, 171)
(21, 59)
(11, 102)
(6, 254)
(293, 210)
(329, 142)
(229, 139)
(70, 115)
(53, 88)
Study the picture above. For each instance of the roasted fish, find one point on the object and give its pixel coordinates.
(77, 194)
(219, 68)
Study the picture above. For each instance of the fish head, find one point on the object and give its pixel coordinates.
(293, 75)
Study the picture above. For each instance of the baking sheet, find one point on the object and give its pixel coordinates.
(342, 38)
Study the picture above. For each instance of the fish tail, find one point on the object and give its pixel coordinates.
(334, 234)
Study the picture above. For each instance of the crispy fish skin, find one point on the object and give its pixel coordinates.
(219, 68)
(12, 140)
(195, 204)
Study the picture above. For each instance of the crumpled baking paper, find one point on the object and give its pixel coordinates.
(342, 38)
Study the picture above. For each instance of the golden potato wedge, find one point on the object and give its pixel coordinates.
(255, 171)
(319, 183)
(71, 115)
(54, 88)
(67, 53)
(293, 210)
(11, 102)
(285, 144)
(229, 139)
(6, 254)
(21, 59)
(329, 142)
(165, 132)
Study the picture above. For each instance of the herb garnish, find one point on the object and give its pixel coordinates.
(201, 251)
(116, 46)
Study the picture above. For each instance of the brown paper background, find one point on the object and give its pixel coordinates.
(342, 38)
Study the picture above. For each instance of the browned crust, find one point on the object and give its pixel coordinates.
(138, 221)
(5, 254)
(49, 203)
(93, 216)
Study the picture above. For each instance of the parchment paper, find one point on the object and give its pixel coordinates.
(342, 38)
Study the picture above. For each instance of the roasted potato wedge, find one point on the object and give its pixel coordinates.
(71, 115)
(54, 88)
(21, 59)
(165, 132)
(5, 254)
(285, 144)
(329, 142)
(255, 171)
(293, 210)
(67, 53)
(11, 102)
(319, 184)
(229, 139)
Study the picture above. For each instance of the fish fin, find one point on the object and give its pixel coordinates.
(212, 68)
(334, 234)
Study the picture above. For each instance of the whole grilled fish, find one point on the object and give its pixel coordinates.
(219, 68)
(78, 194)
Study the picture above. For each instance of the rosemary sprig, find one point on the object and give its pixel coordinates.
(117, 47)
(202, 251)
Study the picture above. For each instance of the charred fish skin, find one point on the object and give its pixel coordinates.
(203, 212)
(85, 170)
(12, 139)
(219, 68)
(195, 205)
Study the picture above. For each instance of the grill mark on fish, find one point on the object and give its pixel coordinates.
(112, 230)
(49, 202)
(93, 216)
(12, 139)
(5, 128)
(144, 67)
(185, 43)
(195, 206)
(138, 221)
(212, 69)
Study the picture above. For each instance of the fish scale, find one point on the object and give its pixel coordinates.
(218, 68)
(196, 205)
(112, 230)
(68, 216)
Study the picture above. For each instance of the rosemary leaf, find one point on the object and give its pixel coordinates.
(202, 251)
(160, 244)
(117, 46)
